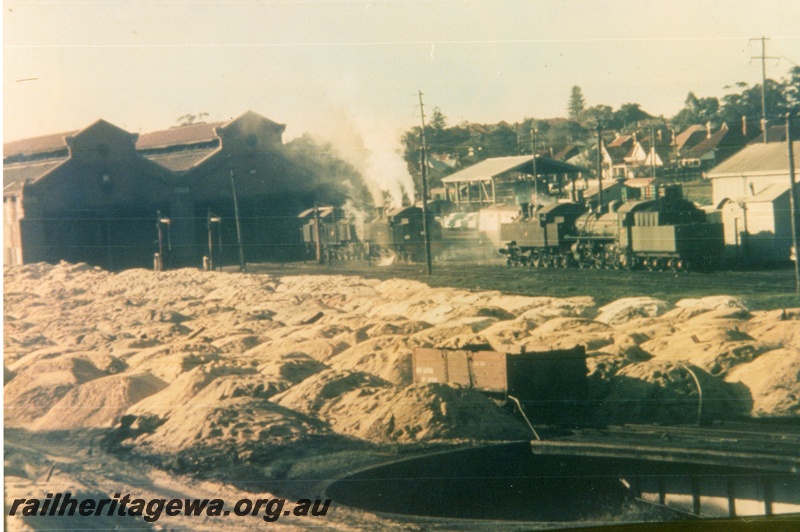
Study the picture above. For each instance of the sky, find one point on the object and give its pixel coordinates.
(342, 69)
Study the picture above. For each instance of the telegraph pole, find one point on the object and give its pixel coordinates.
(763, 58)
(424, 166)
(599, 167)
(317, 234)
(793, 203)
(534, 131)
(242, 264)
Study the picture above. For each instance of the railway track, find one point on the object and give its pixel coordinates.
(760, 289)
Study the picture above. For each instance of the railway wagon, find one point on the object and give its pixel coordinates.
(549, 385)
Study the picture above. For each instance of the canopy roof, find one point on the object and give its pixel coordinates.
(491, 168)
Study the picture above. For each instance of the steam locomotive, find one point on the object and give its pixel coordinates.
(395, 232)
(666, 232)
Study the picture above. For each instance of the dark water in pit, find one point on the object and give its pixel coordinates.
(500, 482)
(508, 482)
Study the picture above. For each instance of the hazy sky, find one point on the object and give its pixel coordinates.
(340, 67)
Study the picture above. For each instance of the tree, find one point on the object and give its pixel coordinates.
(696, 111)
(629, 115)
(791, 90)
(190, 119)
(576, 103)
(438, 120)
(747, 103)
(598, 113)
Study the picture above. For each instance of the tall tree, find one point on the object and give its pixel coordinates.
(696, 111)
(629, 115)
(576, 103)
(598, 113)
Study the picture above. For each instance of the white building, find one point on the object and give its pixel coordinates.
(751, 190)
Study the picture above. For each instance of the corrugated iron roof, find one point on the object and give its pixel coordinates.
(756, 159)
(45, 144)
(491, 168)
(194, 134)
(638, 182)
(15, 175)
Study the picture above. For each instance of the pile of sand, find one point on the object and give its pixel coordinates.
(219, 361)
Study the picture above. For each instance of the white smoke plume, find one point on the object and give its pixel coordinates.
(373, 148)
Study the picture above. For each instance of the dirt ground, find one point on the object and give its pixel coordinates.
(211, 384)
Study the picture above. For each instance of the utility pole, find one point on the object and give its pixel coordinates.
(652, 151)
(599, 167)
(317, 233)
(534, 131)
(424, 166)
(793, 203)
(763, 58)
(211, 219)
(242, 264)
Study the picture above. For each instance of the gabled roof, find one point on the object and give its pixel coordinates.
(690, 137)
(622, 140)
(186, 135)
(776, 133)
(618, 153)
(38, 145)
(567, 153)
(491, 168)
(15, 175)
(756, 159)
(181, 160)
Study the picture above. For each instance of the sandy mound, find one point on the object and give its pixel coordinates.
(100, 402)
(777, 327)
(626, 309)
(665, 392)
(229, 431)
(689, 308)
(774, 382)
(387, 357)
(225, 367)
(359, 405)
(565, 333)
(37, 388)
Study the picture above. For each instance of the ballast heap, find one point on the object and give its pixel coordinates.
(666, 232)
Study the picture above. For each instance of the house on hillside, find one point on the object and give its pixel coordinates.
(715, 148)
(752, 190)
(614, 154)
(690, 137)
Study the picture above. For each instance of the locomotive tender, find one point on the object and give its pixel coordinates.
(664, 233)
